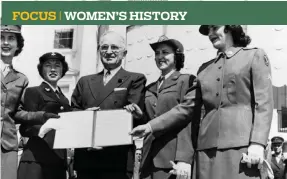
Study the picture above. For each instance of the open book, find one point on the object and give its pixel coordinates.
(83, 129)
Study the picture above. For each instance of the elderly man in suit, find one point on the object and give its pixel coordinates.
(112, 88)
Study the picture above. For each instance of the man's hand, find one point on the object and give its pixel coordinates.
(135, 110)
(48, 126)
(141, 131)
(93, 109)
(255, 155)
(182, 170)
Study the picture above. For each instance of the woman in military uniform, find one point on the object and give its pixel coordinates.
(13, 84)
(236, 91)
(39, 159)
(160, 97)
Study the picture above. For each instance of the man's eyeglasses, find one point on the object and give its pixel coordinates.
(113, 48)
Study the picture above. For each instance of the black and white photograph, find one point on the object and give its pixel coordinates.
(143, 101)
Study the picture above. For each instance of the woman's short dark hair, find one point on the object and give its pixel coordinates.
(240, 39)
(20, 44)
(179, 60)
(178, 57)
(45, 57)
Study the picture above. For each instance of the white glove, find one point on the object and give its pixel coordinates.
(48, 126)
(182, 170)
(266, 171)
(255, 154)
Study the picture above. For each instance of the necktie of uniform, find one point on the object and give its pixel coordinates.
(160, 81)
(6, 70)
(57, 94)
(106, 77)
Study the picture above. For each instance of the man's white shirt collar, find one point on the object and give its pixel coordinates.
(113, 71)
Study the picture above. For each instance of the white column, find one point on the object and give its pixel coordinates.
(87, 49)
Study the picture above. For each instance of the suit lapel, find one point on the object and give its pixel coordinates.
(95, 83)
(118, 79)
(170, 81)
(10, 77)
(63, 98)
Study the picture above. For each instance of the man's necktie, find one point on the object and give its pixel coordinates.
(106, 77)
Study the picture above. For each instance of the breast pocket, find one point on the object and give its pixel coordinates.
(120, 93)
(14, 94)
(231, 89)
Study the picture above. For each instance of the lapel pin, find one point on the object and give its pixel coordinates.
(48, 89)
(120, 80)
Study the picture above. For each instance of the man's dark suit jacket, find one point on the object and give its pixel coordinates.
(91, 92)
(43, 98)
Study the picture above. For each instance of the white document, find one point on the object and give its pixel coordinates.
(83, 129)
(76, 130)
(112, 128)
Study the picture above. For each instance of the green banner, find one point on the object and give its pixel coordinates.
(144, 12)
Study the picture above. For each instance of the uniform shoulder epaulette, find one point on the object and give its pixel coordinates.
(204, 65)
(148, 86)
(20, 73)
(249, 48)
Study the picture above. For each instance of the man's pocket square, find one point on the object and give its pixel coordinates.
(120, 89)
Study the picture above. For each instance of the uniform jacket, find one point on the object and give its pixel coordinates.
(12, 88)
(43, 98)
(236, 91)
(123, 89)
(278, 168)
(177, 144)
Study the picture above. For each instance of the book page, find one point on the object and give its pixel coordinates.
(112, 128)
(76, 130)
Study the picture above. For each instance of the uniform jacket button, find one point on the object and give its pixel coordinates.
(217, 94)
(154, 104)
(219, 67)
(218, 79)
(62, 108)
